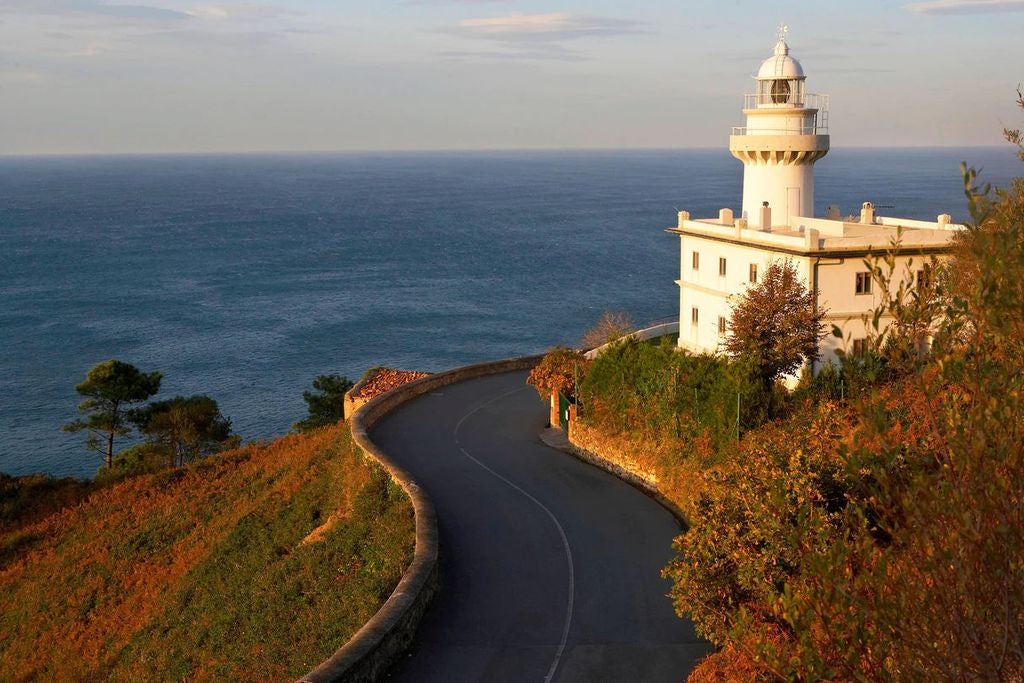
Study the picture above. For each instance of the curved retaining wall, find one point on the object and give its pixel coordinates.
(622, 467)
(640, 335)
(389, 633)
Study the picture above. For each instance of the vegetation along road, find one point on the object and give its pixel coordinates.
(550, 567)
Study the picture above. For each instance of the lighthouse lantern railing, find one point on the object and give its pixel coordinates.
(803, 101)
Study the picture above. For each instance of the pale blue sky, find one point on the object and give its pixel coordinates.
(84, 76)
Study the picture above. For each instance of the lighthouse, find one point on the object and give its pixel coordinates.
(786, 133)
(721, 257)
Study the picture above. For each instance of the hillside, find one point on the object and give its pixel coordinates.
(255, 564)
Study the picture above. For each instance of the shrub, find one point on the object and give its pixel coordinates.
(144, 458)
(559, 370)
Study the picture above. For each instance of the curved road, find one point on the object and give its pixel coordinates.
(550, 568)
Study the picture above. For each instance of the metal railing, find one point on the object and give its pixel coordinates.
(795, 101)
(813, 129)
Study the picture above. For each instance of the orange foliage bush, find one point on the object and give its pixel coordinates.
(559, 370)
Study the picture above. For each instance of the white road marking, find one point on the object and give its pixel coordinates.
(565, 539)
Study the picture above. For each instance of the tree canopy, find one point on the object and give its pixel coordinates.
(776, 324)
(111, 388)
(559, 370)
(326, 404)
(186, 427)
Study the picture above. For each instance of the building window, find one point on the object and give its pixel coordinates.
(721, 267)
(696, 260)
(753, 272)
(863, 283)
(694, 315)
(721, 326)
(860, 347)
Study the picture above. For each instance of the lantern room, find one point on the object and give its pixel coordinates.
(780, 80)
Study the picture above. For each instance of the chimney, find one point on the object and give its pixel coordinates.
(867, 213)
(944, 221)
(683, 217)
(766, 217)
(832, 212)
(725, 216)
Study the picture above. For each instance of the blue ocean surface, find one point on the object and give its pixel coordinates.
(244, 277)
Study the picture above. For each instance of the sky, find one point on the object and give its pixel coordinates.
(99, 76)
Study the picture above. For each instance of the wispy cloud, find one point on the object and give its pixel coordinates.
(536, 36)
(549, 52)
(93, 8)
(551, 27)
(967, 6)
(237, 11)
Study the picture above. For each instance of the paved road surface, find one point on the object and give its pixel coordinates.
(550, 567)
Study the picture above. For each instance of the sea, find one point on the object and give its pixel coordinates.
(245, 276)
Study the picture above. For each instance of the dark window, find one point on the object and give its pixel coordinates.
(721, 325)
(863, 283)
(696, 260)
(753, 272)
(721, 267)
(694, 315)
(860, 347)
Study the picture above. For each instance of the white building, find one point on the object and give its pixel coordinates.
(786, 133)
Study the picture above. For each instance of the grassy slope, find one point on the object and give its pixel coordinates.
(202, 572)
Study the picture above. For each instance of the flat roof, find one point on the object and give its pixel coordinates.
(817, 235)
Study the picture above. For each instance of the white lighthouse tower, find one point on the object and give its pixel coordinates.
(786, 132)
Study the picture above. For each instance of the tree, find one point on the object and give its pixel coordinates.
(612, 325)
(327, 405)
(186, 427)
(111, 388)
(559, 370)
(776, 324)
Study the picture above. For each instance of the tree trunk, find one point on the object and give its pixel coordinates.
(110, 449)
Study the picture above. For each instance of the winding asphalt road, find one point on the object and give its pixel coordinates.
(550, 568)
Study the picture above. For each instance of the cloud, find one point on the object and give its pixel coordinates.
(552, 52)
(93, 8)
(967, 6)
(551, 27)
(536, 36)
(237, 11)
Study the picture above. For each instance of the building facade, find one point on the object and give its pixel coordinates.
(786, 133)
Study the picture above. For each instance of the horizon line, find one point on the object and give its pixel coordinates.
(443, 150)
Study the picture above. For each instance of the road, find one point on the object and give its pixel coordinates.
(550, 568)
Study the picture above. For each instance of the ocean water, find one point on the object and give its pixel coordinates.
(244, 277)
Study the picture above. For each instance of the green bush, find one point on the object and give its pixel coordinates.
(673, 395)
(143, 458)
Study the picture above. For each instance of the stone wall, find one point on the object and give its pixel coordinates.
(618, 458)
(377, 646)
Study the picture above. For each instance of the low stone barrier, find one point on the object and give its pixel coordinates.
(377, 645)
(640, 335)
(589, 447)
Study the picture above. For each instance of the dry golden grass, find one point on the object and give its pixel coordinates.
(201, 572)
